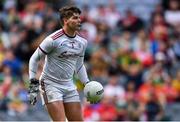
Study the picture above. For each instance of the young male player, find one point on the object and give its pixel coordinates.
(64, 54)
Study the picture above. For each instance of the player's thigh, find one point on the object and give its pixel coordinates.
(73, 111)
(56, 110)
(72, 106)
(52, 97)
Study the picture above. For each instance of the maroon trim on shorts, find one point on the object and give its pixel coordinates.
(44, 92)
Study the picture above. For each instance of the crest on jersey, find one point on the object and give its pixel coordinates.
(72, 45)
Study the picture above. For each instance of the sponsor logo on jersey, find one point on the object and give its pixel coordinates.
(68, 54)
(70, 49)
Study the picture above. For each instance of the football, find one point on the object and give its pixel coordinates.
(93, 91)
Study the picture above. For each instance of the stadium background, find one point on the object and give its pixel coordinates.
(133, 50)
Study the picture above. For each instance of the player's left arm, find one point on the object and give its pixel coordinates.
(80, 68)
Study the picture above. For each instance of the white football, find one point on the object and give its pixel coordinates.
(93, 91)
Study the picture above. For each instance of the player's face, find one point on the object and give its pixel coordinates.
(74, 22)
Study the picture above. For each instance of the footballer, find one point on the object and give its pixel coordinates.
(64, 55)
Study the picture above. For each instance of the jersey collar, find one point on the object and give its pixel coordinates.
(68, 35)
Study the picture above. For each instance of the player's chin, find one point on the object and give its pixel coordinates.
(78, 28)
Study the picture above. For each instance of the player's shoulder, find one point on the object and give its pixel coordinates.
(50, 39)
(57, 34)
(82, 37)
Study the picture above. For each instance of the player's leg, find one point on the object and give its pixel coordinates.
(73, 111)
(56, 111)
(52, 98)
(72, 106)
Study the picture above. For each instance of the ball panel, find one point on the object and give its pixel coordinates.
(94, 91)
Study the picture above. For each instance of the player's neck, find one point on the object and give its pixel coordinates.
(69, 32)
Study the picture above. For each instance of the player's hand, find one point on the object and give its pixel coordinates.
(33, 91)
(92, 102)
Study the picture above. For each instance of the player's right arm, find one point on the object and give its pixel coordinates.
(33, 62)
(45, 48)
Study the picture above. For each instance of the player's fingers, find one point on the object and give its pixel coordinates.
(33, 101)
(94, 102)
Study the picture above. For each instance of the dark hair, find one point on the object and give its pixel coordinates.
(67, 12)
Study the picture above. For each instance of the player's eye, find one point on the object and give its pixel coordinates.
(75, 17)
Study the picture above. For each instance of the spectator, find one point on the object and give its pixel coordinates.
(176, 84)
(131, 22)
(153, 108)
(107, 110)
(13, 63)
(172, 14)
(141, 49)
(114, 90)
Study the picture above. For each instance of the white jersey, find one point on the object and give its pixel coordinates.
(64, 56)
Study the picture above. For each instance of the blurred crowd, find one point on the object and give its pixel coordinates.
(136, 59)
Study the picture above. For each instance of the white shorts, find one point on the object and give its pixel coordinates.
(51, 93)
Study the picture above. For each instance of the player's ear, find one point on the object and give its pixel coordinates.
(65, 21)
